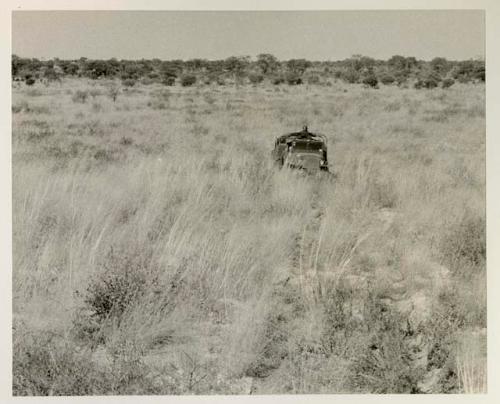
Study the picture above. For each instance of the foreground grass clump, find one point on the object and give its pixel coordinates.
(157, 251)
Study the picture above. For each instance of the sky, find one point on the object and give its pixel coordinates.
(314, 35)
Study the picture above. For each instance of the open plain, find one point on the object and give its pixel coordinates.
(158, 251)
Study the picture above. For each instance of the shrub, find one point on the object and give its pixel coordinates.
(255, 78)
(386, 362)
(121, 282)
(146, 81)
(188, 80)
(80, 96)
(30, 81)
(293, 78)
(430, 83)
(351, 76)
(314, 79)
(465, 243)
(168, 81)
(387, 79)
(370, 81)
(44, 364)
(129, 82)
(447, 83)
(276, 80)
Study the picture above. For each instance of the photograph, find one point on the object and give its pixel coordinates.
(248, 202)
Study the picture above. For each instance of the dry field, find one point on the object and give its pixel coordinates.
(156, 249)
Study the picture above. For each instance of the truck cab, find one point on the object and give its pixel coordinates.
(302, 150)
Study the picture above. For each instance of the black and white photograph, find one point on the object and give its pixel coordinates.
(248, 202)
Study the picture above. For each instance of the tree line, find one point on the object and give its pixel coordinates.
(397, 70)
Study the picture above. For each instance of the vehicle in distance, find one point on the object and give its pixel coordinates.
(303, 150)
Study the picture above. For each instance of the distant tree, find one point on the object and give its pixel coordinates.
(16, 65)
(428, 79)
(236, 65)
(255, 78)
(277, 80)
(29, 81)
(479, 70)
(397, 62)
(131, 71)
(351, 76)
(196, 64)
(370, 81)
(387, 79)
(188, 80)
(313, 79)
(298, 66)
(267, 63)
(440, 66)
(447, 83)
(50, 73)
(293, 78)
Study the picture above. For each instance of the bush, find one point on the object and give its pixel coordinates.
(293, 79)
(255, 78)
(370, 81)
(46, 364)
(168, 81)
(80, 96)
(188, 80)
(387, 79)
(128, 82)
(465, 243)
(314, 79)
(276, 80)
(30, 81)
(121, 282)
(447, 83)
(146, 81)
(351, 76)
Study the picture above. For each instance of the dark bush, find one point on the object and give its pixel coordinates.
(387, 79)
(370, 81)
(293, 79)
(447, 83)
(121, 281)
(188, 80)
(168, 81)
(30, 81)
(255, 78)
(277, 80)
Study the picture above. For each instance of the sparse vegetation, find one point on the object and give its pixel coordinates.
(398, 69)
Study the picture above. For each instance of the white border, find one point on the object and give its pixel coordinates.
(492, 8)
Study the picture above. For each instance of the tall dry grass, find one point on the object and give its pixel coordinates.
(155, 243)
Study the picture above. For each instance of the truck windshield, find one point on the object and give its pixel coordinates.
(310, 146)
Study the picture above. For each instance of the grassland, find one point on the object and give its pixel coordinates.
(157, 251)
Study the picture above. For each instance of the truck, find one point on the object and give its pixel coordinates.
(301, 150)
